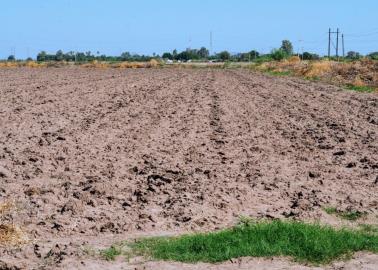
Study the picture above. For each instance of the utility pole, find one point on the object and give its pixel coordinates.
(342, 38)
(329, 43)
(13, 52)
(211, 43)
(337, 43)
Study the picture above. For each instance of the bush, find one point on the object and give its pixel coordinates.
(11, 58)
(310, 56)
(353, 55)
(373, 55)
(278, 54)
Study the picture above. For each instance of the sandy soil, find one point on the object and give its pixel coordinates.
(94, 156)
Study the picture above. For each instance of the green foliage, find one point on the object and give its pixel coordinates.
(310, 56)
(203, 53)
(279, 73)
(287, 47)
(224, 55)
(111, 253)
(167, 55)
(367, 89)
(353, 55)
(11, 58)
(263, 58)
(254, 54)
(304, 242)
(373, 55)
(330, 210)
(88, 56)
(278, 54)
(369, 228)
(349, 215)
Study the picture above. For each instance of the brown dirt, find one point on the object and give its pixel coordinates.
(94, 156)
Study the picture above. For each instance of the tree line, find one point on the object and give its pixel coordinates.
(284, 51)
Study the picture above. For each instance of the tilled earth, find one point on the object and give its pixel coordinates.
(90, 156)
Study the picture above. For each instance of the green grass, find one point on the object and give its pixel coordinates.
(279, 73)
(348, 215)
(360, 88)
(369, 228)
(111, 253)
(304, 242)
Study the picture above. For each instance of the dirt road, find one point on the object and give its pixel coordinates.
(90, 156)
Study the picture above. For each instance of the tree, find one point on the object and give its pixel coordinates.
(174, 53)
(59, 56)
(278, 54)
(11, 58)
(310, 56)
(287, 47)
(373, 55)
(167, 55)
(125, 56)
(203, 52)
(243, 57)
(41, 56)
(254, 54)
(353, 55)
(224, 56)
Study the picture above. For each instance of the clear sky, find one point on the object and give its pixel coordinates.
(147, 26)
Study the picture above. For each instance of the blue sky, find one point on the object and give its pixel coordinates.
(147, 26)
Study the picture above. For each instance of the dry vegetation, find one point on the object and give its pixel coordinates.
(358, 73)
(10, 234)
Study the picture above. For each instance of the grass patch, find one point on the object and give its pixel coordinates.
(363, 88)
(111, 253)
(348, 215)
(279, 73)
(369, 228)
(311, 243)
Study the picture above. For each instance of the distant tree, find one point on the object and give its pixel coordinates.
(11, 58)
(242, 57)
(373, 55)
(29, 59)
(80, 57)
(287, 47)
(203, 52)
(278, 54)
(125, 56)
(41, 56)
(59, 56)
(310, 56)
(353, 55)
(184, 56)
(167, 55)
(224, 55)
(254, 54)
(174, 53)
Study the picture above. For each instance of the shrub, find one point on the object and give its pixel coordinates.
(373, 55)
(278, 54)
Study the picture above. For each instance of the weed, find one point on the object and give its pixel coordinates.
(111, 253)
(330, 210)
(279, 73)
(360, 88)
(304, 242)
(352, 215)
(11, 235)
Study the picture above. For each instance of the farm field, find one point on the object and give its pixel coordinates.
(93, 156)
